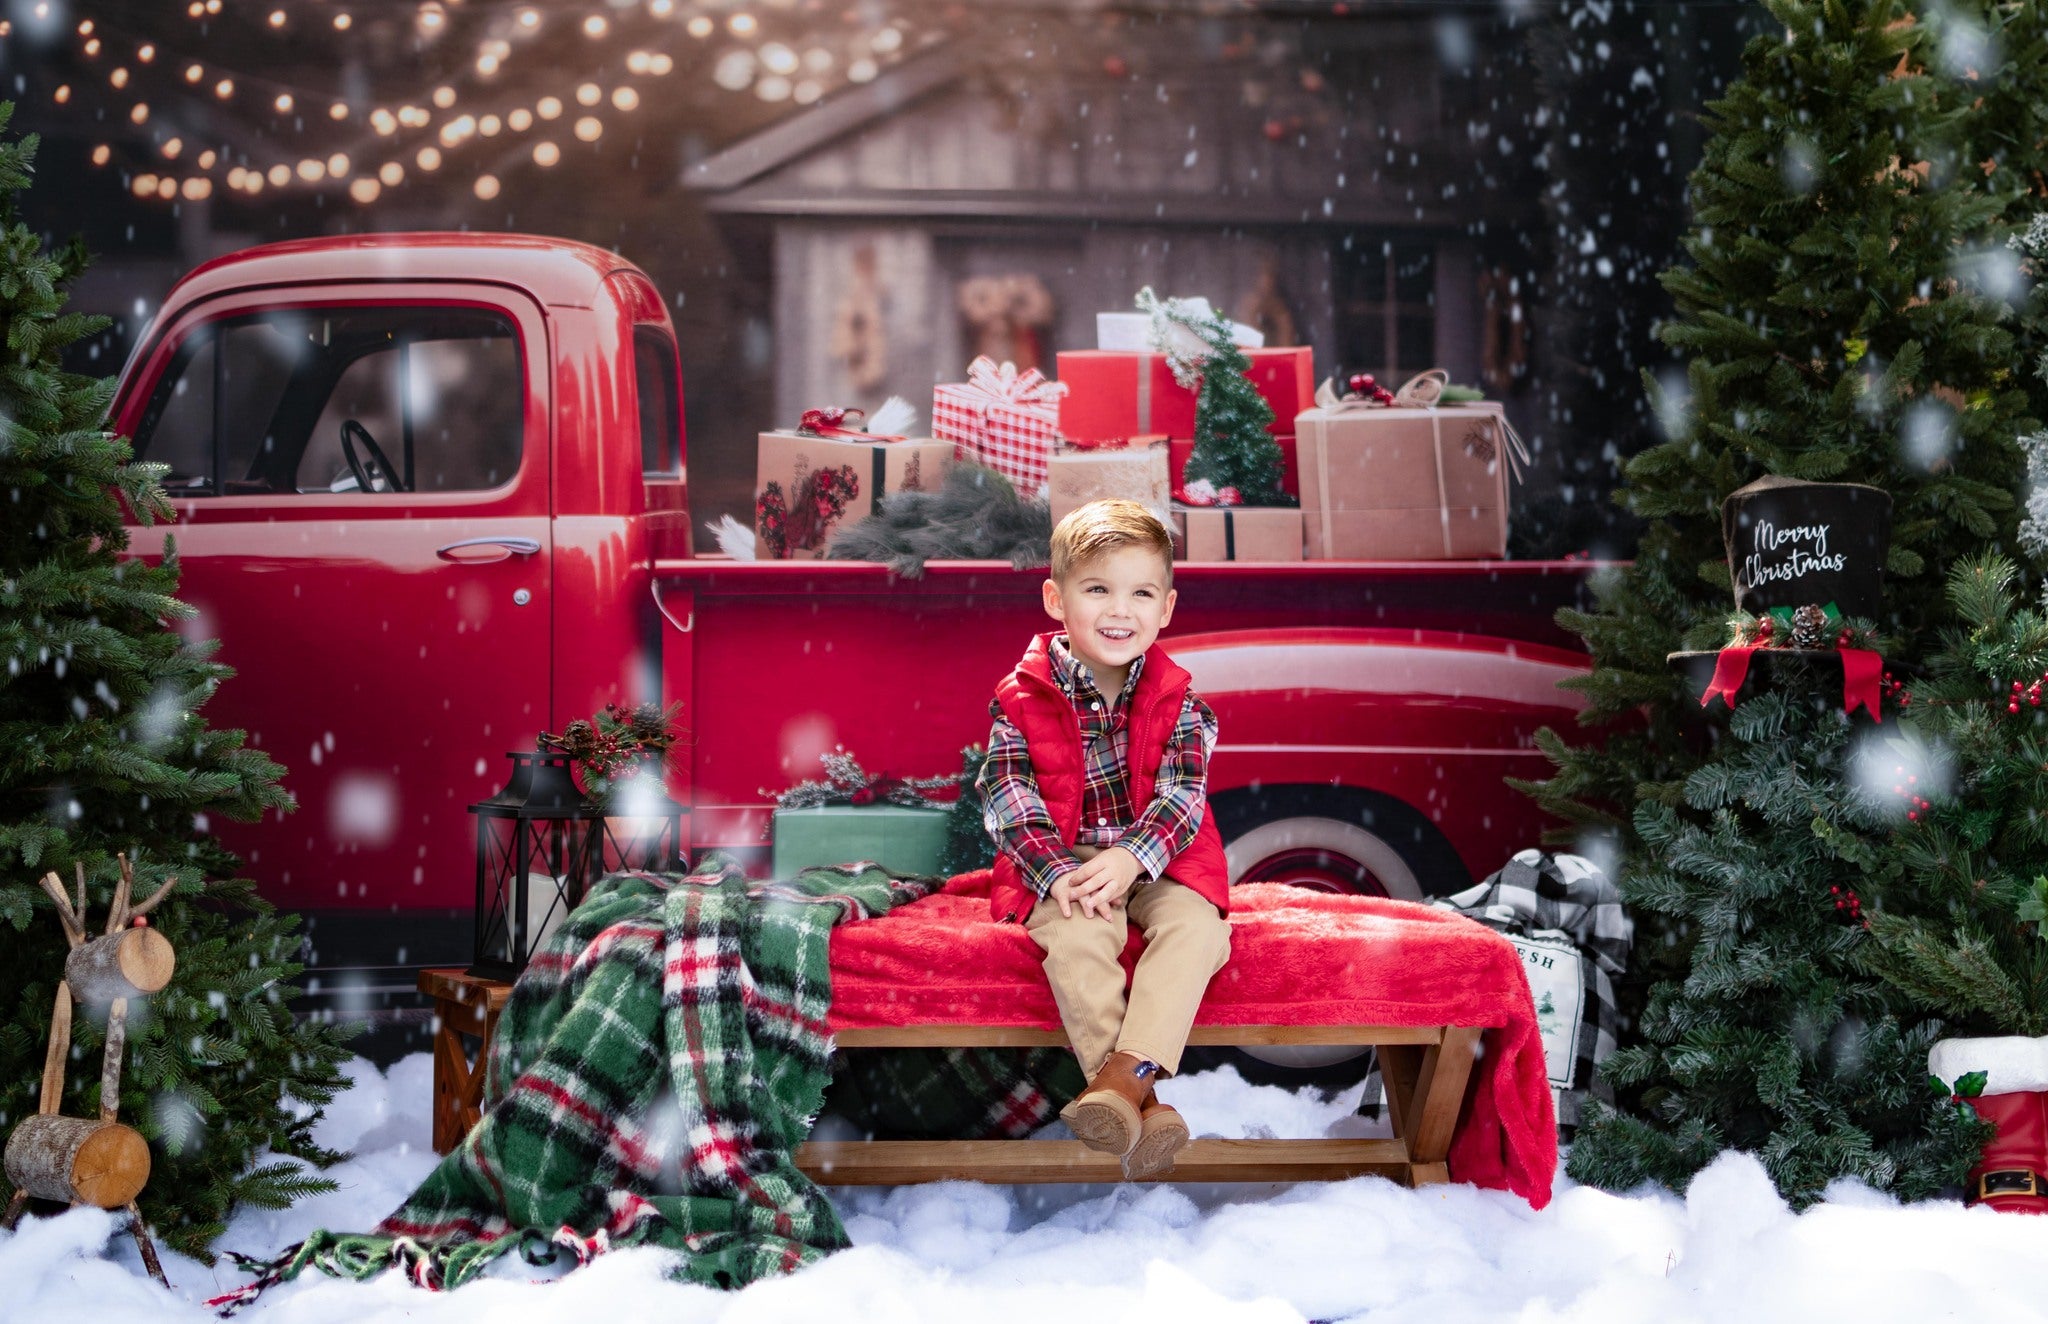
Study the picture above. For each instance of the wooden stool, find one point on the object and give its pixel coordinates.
(466, 1007)
(1427, 1069)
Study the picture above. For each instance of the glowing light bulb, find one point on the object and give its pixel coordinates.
(625, 98)
(444, 96)
(140, 113)
(207, 158)
(193, 73)
(390, 174)
(85, 27)
(486, 65)
(101, 154)
(529, 19)
(213, 6)
(364, 190)
(311, 170)
(595, 26)
(280, 175)
(431, 19)
(699, 27)
(167, 188)
(237, 177)
(224, 89)
(862, 70)
(283, 103)
(172, 148)
(489, 126)
(888, 39)
(636, 62)
(145, 53)
(144, 185)
(772, 88)
(62, 94)
(338, 111)
(589, 129)
(546, 154)
(520, 120)
(198, 187)
(93, 47)
(337, 165)
(119, 77)
(778, 58)
(589, 94)
(429, 158)
(193, 10)
(341, 22)
(661, 8)
(487, 187)
(742, 24)
(548, 108)
(384, 122)
(659, 64)
(277, 18)
(806, 91)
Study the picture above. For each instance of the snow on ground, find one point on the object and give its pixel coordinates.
(1358, 1250)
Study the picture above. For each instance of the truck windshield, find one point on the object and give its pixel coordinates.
(365, 400)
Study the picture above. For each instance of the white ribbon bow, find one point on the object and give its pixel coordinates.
(1002, 383)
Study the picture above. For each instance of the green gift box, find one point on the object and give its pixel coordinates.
(901, 839)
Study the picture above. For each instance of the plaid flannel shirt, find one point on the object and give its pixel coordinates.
(1015, 814)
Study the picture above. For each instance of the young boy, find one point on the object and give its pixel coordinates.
(1095, 794)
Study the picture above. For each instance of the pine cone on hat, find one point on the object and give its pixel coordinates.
(1809, 627)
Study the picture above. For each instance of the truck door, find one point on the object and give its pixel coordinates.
(362, 488)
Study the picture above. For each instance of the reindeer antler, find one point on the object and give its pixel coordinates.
(74, 927)
(154, 897)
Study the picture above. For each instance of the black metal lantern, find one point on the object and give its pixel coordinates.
(534, 848)
(639, 826)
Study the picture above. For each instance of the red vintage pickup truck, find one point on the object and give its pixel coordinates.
(432, 497)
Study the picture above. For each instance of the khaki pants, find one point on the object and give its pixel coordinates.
(1186, 942)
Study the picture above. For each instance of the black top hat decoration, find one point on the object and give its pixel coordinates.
(1807, 560)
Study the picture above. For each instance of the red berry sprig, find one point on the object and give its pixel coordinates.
(1848, 905)
(1365, 384)
(1895, 689)
(1906, 790)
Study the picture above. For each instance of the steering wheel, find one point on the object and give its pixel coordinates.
(351, 433)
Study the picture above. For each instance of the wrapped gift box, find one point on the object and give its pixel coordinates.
(1137, 472)
(1237, 533)
(1404, 484)
(1112, 394)
(1134, 330)
(806, 488)
(902, 840)
(1005, 419)
(1181, 449)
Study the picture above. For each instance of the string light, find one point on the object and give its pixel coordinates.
(207, 158)
(595, 26)
(625, 98)
(119, 77)
(391, 174)
(283, 103)
(341, 22)
(589, 128)
(171, 148)
(364, 190)
(277, 19)
(101, 154)
(589, 94)
(487, 187)
(62, 94)
(546, 153)
(224, 89)
(699, 27)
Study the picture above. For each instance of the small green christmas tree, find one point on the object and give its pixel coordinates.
(1233, 446)
(102, 751)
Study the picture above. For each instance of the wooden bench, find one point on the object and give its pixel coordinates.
(1426, 1069)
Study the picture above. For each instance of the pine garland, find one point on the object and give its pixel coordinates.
(103, 750)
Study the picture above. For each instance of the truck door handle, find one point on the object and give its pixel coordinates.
(512, 546)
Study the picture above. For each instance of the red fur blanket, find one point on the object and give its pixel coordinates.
(1297, 958)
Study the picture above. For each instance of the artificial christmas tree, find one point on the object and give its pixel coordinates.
(102, 750)
(1828, 339)
(1234, 449)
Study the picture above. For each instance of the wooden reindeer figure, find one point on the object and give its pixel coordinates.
(95, 1161)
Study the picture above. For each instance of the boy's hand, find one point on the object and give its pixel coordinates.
(1062, 891)
(1101, 882)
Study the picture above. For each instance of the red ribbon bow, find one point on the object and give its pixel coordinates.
(1862, 670)
(831, 423)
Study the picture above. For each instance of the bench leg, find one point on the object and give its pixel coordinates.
(1426, 1095)
(458, 1070)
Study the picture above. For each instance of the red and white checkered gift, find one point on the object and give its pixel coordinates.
(1006, 419)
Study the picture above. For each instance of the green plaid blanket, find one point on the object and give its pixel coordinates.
(652, 1074)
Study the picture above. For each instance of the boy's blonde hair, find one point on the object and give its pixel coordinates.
(1101, 527)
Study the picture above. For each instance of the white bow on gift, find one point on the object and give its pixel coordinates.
(1004, 384)
(1423, 391)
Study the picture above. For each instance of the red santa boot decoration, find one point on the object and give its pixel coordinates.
(2012, 1175)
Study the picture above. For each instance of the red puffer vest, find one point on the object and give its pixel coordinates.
(1032, 700)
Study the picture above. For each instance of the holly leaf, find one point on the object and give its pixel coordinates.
(1971, 1083)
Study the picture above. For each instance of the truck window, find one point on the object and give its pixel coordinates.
(430, 400)
(654, 379)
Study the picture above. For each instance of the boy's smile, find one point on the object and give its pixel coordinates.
(1114, 607)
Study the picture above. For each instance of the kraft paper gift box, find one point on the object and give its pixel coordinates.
(901, 839)
(1003, 418)
(1237, 533)
(1404, 484)
(1136, 473)
(806, 488)
(1112, 394)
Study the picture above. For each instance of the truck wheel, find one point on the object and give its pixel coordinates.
(1331, 840)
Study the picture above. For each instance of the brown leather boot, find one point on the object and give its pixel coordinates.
(1107, 1117)
(1161, 1137)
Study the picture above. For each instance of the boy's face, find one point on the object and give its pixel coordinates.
(1113, 606)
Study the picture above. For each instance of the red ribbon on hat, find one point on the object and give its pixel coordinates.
(1862, 670)
(831, 423)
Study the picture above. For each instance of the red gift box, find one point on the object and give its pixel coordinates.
(1116, 393)
(1007, 420)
